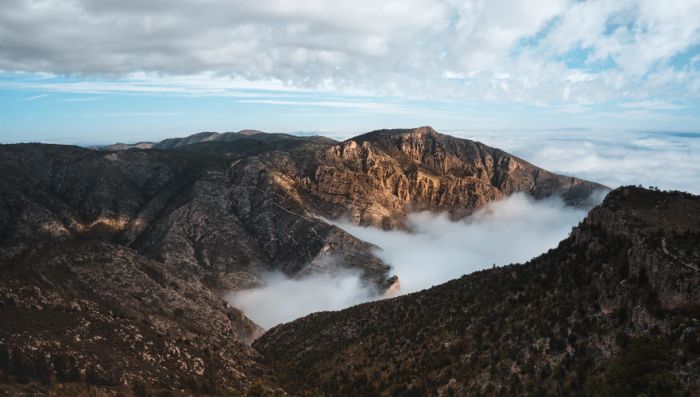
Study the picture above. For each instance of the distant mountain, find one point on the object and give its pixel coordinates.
(244, 139)
(614, 310)
(127, 253)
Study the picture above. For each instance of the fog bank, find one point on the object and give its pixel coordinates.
(436, 250)
(614, 158)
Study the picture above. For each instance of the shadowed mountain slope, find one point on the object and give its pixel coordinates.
(613, 310)
(248, 202)
(83, 315)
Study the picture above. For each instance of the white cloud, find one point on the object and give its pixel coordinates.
(479, 50)
(373, 106)
(652, 105)
(34, 97)
(284, 299)
(664, 159)
(437, 250)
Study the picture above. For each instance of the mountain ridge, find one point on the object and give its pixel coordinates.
(79, 227)
(565, 323)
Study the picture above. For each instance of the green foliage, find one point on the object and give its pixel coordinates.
(643, 368)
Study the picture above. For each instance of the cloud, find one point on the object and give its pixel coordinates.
(483, 50)
(664, 159)
(651, 105)
(284, 299)
(34, 97)
(376, 107)
(437, 250)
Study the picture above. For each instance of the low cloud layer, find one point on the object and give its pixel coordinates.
(668, 160)
(283, 299)
(438, 249)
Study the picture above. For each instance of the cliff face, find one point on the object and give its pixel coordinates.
(201, 215)
(228, 206)
(378, 177)
(617, 301)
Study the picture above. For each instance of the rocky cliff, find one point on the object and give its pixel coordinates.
(613, 310)
(378, 177)
(201, 215)
(227, 206)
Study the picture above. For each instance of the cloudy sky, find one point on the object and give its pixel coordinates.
(80, 71)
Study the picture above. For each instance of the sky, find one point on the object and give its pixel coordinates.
(96, 72)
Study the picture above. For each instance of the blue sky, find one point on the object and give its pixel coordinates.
(92, 73)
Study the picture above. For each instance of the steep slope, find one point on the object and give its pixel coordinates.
(229, 206)
(378, 177)
(613, 310)
(90, 316)
(201, 215)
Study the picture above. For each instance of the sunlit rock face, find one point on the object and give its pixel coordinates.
(377, 178)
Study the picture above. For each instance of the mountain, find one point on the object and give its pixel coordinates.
(80, 316)
(247, 142)
(378, 177)
(227, 209)
(614, 310)
(114, 262)
(199, 214)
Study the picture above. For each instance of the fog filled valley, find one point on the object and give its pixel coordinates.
(433, 250)
(514, 230)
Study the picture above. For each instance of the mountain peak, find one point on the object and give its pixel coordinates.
(422, 132)
(250, 132)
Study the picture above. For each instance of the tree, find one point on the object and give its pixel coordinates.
(643, 368)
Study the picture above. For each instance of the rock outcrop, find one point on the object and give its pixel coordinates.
(378, 177)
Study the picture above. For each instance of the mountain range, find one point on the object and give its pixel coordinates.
(115, 260)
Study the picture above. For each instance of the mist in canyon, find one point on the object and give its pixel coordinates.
(435, 250)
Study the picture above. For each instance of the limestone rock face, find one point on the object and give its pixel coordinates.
(617, 298)
(377, 178)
